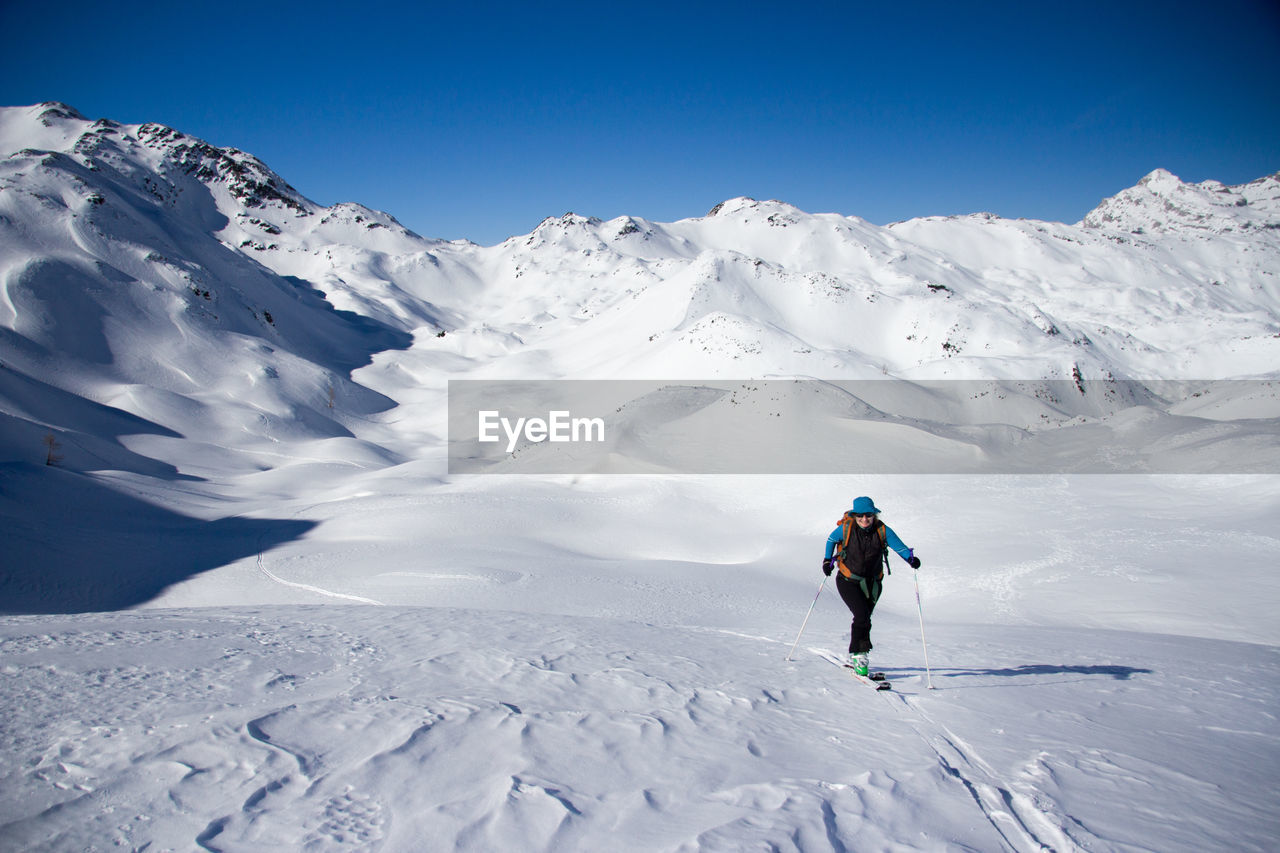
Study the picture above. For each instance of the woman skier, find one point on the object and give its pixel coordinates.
(859, 550)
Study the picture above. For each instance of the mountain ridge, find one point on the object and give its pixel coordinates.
(253, 182)
(150, 270)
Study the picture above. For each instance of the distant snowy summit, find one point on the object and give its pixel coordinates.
(163, 162)
(1162, 203)
(55, 127)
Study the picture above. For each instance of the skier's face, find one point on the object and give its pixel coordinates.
(865, 519)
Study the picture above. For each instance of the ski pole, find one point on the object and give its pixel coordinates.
(806, 617)
(920, 609)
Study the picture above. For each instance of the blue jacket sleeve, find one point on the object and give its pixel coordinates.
(833, 541)
(891, 539)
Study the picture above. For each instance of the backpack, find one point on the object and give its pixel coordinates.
(847, 523)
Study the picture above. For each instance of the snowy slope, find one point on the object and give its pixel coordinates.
(442, 729)
(128, 286)
(274, 621)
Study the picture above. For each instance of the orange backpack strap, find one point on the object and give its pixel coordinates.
(846, 522)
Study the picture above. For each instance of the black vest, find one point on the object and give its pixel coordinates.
(864, 554)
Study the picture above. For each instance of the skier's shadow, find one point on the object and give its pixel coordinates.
(1119, 673)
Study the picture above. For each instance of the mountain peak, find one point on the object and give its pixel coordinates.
(568, 220)
(51, 111)
(1163, 203)
(1160, 180)
(748, 205)
(247, 178)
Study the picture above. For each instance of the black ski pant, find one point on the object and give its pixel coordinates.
(860, 603)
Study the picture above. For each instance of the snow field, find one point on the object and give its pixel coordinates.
(401, 728)
(1183, 555)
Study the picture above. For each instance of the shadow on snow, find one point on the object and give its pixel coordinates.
(1119, 673)
(73, 545)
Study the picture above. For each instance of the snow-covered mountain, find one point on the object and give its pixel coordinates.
(1162, 204)
(158, 275)
(245, 396)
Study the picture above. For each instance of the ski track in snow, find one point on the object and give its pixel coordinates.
(306, 587)
(1021, 824)
(343, 596)
(1024, 821)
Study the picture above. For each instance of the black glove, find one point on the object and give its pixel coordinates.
(914, 562)
(826, 567)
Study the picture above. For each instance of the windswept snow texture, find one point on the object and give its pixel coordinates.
(250, 610)
(410, 729)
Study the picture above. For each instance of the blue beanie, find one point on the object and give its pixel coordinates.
(864, 504)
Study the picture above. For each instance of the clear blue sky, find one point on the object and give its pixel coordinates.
(479, 119)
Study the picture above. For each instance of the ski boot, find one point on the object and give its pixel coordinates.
(860, 662)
